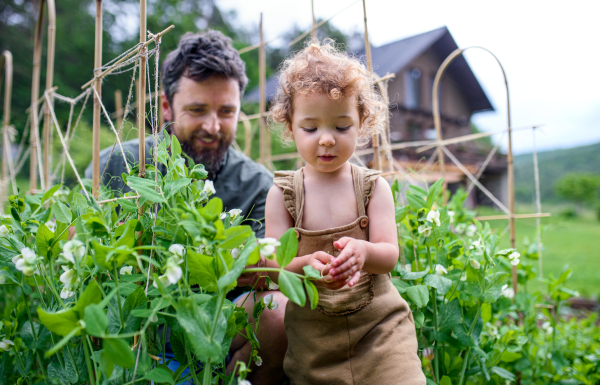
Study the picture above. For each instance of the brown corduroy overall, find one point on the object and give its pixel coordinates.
(359, 335)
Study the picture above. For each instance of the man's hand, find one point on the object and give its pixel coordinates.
(254, 279)
(347, 265)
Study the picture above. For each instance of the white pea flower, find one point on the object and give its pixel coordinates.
(434, 217)
(464, 277)
(476, 245)
(126, 270)
(507, 292)
(244, 382)
(66, 293)
(164, 280)
(514, 258)
(258, 361)
(425, 230)
(460, 228)
(173, 273)
(2, 280)
(73, 250)
(4, 231)
(51, 225)
(5, 344)
(223, 216)
(471, 230)
(234, 213)
(235, 253)
(209, 187)
(26, 262)
(267, 246)
(68, 277)
(515, 261)
(474, 264)
(273, 285)
(153, 318)
(440, 270)
(270, 303)
(177, 249)
(451, 215)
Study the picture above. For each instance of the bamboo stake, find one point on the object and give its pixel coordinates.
(98, 88)
(247, 133)
(142, 92)
(262, 101)
(49, 81)
(6, 60)
(119, 110)
(314, 21)
(35, 90)
(375, 137)
(515, 216)
(115, 65)
(538, 202)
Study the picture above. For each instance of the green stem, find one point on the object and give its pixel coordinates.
(118, 295)
(272, 269)
(51, 284)
(87, 359)
(465, 363)
(206, 373)
(436, 363)
(192, 366)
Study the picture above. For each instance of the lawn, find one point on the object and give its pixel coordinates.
(572, 241)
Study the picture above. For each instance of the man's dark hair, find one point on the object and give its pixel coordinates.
(200, 56)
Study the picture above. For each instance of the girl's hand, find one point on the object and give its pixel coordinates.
(347, 266)
(321, 261)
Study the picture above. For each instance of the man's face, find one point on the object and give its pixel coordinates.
(204, 118)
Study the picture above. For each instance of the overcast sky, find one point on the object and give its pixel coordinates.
(549, 49)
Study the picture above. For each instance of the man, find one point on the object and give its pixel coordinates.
(203, 83)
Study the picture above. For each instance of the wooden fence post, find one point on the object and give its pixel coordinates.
(98, 88)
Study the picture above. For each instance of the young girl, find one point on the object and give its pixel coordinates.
(362, 331)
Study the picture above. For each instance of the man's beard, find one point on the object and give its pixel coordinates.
(212, 159)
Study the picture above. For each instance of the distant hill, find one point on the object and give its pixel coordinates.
(553, 165)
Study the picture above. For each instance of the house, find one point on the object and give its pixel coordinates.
(415, 61)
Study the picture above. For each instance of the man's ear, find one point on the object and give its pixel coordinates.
(166, 106)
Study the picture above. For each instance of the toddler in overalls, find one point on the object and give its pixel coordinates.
(362, 331)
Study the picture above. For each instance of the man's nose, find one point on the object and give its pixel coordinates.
(211, 124)
(326, 139)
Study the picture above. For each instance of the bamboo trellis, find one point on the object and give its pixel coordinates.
(140, 54)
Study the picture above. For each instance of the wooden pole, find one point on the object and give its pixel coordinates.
(49, 81)
(119, 111)
(262, 101)
(511, 183)
(35, 90)
(6, 61)
(142, 92)
(375, 138)
(98, 87)
(314, 21)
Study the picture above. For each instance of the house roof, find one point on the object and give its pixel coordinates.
(394, 57)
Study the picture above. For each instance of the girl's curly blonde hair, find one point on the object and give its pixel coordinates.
(324, 69)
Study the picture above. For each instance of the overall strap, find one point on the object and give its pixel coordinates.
(358, 177)
(299, 196)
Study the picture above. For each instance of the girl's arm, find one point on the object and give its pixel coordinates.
(277, 221)
(380, 254)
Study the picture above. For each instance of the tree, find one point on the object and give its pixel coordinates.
(579, 188)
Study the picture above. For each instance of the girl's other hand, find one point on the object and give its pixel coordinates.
(347, 265)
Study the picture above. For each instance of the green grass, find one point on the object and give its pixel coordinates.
(572, 241)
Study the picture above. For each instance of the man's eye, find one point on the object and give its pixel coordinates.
(196, 110)
(343, 128)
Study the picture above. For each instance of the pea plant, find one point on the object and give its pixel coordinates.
(89, 289)
(470, 326)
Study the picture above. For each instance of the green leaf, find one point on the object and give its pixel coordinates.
(486, 312)
(175, 147)
(313, 293)
(128, 205)
(445, 379)
(63, 341)
(291, 286)
(400, 285)
(43, 239)
(401, 213)
(146, 188)
(62, 212)
(66, 375)
(236, 236)
(50, 192)
(172, 187)
(419, 318)
(228, 280)
(204, 271)
(311, 272)
(119, 352)
(95, 320)
(418, 190)
(510, 356)
(419, 295)
(442, 284)
(415, 201)
(288, 248)
(213, 209)
(503, 373)
(434, 189)
(160, 376)
(107, 363)
(411, 276)
(449, 315)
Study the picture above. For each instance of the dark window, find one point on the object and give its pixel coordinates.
(412, 80)
(414, 131)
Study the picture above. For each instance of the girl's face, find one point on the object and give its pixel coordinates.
(325, 130)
